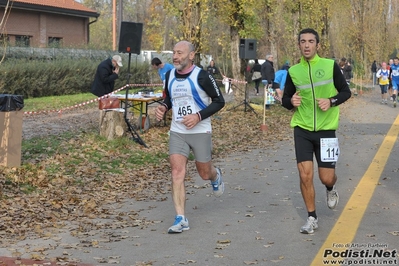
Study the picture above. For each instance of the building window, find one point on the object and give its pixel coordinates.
(54, 42)
(22, 40)
(4, 39)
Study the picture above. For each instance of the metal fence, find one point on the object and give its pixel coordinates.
(53, 53)
(60, 53)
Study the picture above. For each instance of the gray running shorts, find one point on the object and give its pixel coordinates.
(200, 144)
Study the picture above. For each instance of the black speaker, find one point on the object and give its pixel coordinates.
(130, 37)
(247, 49)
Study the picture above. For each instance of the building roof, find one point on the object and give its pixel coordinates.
(70, 7)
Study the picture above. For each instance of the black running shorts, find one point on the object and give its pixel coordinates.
(307, 143)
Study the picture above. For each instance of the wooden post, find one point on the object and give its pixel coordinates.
(263, 127)
(10, 138)
(112, 124)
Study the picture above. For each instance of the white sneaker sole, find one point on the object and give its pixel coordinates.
(220, 191)
(335, 205)
(306, 232)
(172, 231)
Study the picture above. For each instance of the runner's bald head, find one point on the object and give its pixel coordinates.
(186, 44)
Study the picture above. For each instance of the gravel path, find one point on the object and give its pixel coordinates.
(77, 120)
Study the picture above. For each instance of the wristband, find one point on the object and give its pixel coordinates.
(199, 116)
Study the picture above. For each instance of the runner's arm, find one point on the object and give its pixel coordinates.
(289, 91)
(167, 102)
(344, 93)
(208, 84)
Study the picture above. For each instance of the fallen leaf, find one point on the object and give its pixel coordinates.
(251, 262)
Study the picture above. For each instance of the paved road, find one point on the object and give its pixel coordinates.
(257, 220)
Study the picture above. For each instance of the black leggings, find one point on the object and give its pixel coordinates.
(257, 82)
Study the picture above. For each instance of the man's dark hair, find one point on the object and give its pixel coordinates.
(309, 30)
(156, 61)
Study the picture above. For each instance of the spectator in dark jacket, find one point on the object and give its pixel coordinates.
(256, 68)
(106, 74)
(346, 69)
(212, 69)
(374, 71)
(267, 71)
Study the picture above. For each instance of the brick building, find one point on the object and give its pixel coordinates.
(46, 23)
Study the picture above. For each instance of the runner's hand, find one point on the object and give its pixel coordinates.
(324, 104)
(296, 99)
(159, 112)
(190, 120)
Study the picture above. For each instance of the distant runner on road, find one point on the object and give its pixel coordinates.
(395, 79)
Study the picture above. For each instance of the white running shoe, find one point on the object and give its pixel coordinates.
(332, 198)
(179, 225)
(218, 185)
(310, 226)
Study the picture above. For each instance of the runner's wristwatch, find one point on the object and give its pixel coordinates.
(333, 102)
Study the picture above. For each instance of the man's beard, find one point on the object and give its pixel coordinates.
(180, 66)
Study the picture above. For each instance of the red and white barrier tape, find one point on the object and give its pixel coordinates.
(90, 101)
(234, 80)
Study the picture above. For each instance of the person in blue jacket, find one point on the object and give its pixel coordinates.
(279, 80)
(162, 68)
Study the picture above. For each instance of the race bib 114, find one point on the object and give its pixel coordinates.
(329, 149)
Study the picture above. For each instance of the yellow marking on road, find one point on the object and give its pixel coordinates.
(344, 230)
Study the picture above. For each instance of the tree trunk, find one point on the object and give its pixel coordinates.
(112, 124)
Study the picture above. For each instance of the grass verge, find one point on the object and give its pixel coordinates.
(55, 102)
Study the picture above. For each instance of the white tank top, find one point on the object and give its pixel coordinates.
(188, 97)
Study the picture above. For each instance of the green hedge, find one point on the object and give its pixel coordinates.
(39, 78)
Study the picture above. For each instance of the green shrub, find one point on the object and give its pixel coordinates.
(39, 78)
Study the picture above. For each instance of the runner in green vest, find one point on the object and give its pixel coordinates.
(314, 89)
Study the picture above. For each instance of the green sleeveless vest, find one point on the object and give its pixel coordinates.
(314, 79)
